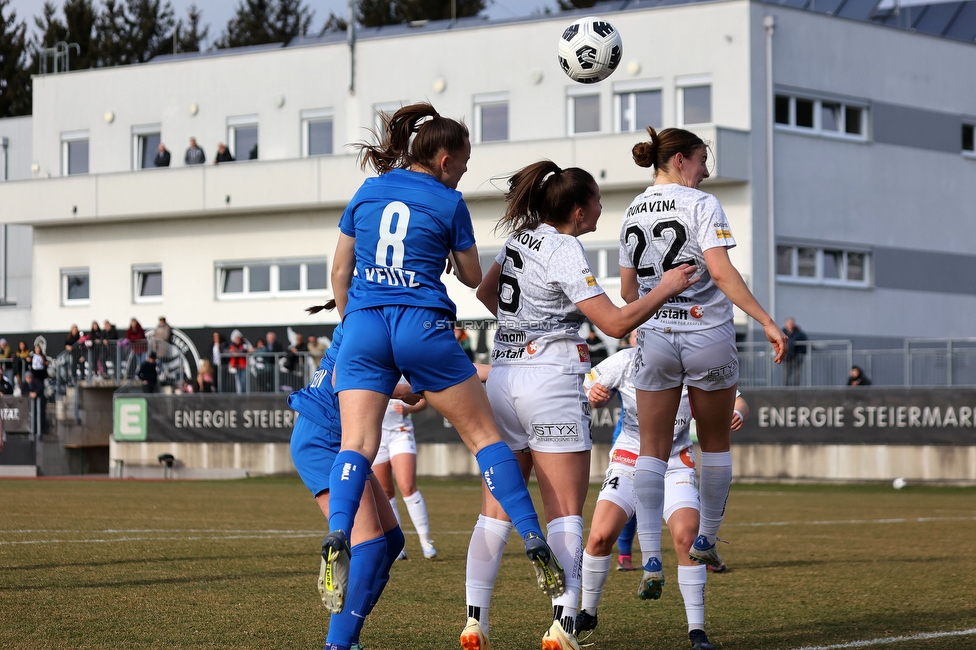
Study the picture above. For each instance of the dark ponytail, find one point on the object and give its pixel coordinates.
(664, 145)
(544, 193)
(433, 135)
(329, 306)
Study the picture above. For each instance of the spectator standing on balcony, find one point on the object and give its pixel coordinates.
(162, 156)
(194, 154)
(21, 359)
(238, 360)
(858, 378)
(316, 350)
(795, 350)
(163, 331)
(136, 336)
(274, 347)
(6, 360)
(77, 354)
(223, 155)
(96, 351)
(293, 360)
(33, 387)
(149, 374)
(109, 332)
(205, 378)
(38, 364)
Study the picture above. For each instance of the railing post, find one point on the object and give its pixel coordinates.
(908, 364)
(277, 374)
(949, 362)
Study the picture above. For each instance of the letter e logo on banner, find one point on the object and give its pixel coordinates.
(130, 419)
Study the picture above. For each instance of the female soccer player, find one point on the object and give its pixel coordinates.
(397, 233)
(615, 505)
(397, 458)
(376, 537)
(541, 289)
(689, 341)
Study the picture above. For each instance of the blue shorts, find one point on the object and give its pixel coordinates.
(313, 451)
(382, 343)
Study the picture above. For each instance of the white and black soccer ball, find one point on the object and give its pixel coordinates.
(590, 50)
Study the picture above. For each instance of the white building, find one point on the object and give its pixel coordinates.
(872, 163)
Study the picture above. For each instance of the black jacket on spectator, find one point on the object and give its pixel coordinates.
(35, 385)
(149, 376)
(6, 388)
(224, 156)
(162, 158)
(110, 334)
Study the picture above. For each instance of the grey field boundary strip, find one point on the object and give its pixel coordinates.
(175, 534)
(922, 636)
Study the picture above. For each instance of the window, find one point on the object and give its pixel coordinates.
(272, 278)
(637, 105)
(381, 109)
(584, 114)
(967, 139)
(74, 286)
(242, 137)
(317, 129)
(604, 260)
(827, 266)
(821, 116)
(147, 283)
(74, 153)
(491, 117)
(696, 104)
(145, 143)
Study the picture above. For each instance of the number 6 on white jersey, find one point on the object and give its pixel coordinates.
(389, 238)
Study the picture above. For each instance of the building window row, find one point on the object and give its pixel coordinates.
(637, 105)
(272, 278)
(821, 116)
(829, 266)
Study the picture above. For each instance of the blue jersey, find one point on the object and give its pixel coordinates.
(405, 224)
(317, 401)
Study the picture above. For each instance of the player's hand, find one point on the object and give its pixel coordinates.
(398, 408)
(599, 395)
(736, 421)
(678, 279)
(449, 269)
(778, 339)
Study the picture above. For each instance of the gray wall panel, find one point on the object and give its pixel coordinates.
(916, 127)
(914, 270)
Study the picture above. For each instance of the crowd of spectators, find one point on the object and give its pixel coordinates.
(196, 156)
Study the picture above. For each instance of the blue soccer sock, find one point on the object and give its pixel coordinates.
(346, 484)
(394, 544)
(344, 627)
(625, 541)
(503, 476)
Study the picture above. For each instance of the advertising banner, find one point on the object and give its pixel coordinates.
(15, 413)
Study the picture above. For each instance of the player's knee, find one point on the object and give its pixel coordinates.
(600, 543)
(683, 539)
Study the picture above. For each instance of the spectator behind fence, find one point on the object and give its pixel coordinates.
(96, 343)
(6, 388)
(218, 348)
(205, 378)
(292, 359)
(162, 156)
(316, 350)
(73, 337)
(274, 346)
(22, 359)
(38, 363)
(194, 154)
(6, 360)
(223, 155)
(795, 350)
(149, 374)
(33, 387)
(109, 332)
(164, 333)
(238, 360)
(136, 336)
(858, 378)
(77, 354)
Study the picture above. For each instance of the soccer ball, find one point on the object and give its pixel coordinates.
(590, 50)
(899, 483)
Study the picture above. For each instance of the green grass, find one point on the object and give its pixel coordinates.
(233, 564)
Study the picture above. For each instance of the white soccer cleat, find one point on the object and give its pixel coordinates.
(473, 637)
(652, 582)
(559, 639)
(705, 553)
(429, 551)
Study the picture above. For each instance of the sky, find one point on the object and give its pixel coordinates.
(218, 12)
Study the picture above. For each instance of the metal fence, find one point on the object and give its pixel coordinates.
(921, 362)
(263, 372)
(117, 361)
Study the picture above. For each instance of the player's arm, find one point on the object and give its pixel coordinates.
(618, 321)
(483, 370)
(740, 414)
(488, 289)
(343, 265)
(403, 392)
(727, 278)
(414, 408)
(629, 286)
(467, 266)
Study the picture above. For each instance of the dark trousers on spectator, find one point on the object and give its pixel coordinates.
(794, 370)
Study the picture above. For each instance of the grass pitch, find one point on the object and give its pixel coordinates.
(232, 564)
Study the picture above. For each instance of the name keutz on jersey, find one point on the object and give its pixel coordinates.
(391, 276)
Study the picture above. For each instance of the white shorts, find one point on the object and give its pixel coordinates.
(680, 485)
(540, 408)
(706, 359)
(395, 442)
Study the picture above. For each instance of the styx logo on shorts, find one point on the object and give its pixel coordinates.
(697, 311)
(724, 372)
(559, 432)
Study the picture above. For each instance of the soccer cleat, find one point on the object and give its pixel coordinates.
(548, 572)
(334, 572)
(559, 639)
(403, 555)
(355, 646)
(652, 583)
(704, 553)
(716, 569)
(585, 622)
(429, 551)
(473, 637)
(625, 563)
(699, 641)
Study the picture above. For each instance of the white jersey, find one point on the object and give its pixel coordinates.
(544, 274)
(667, 226)
(393, 421)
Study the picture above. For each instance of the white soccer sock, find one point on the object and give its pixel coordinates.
(396, 513)
(691, 582)
(649, 490)
(596, 569)
(484, 557)
(418, 515)
(565, 537)
(716, 481)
